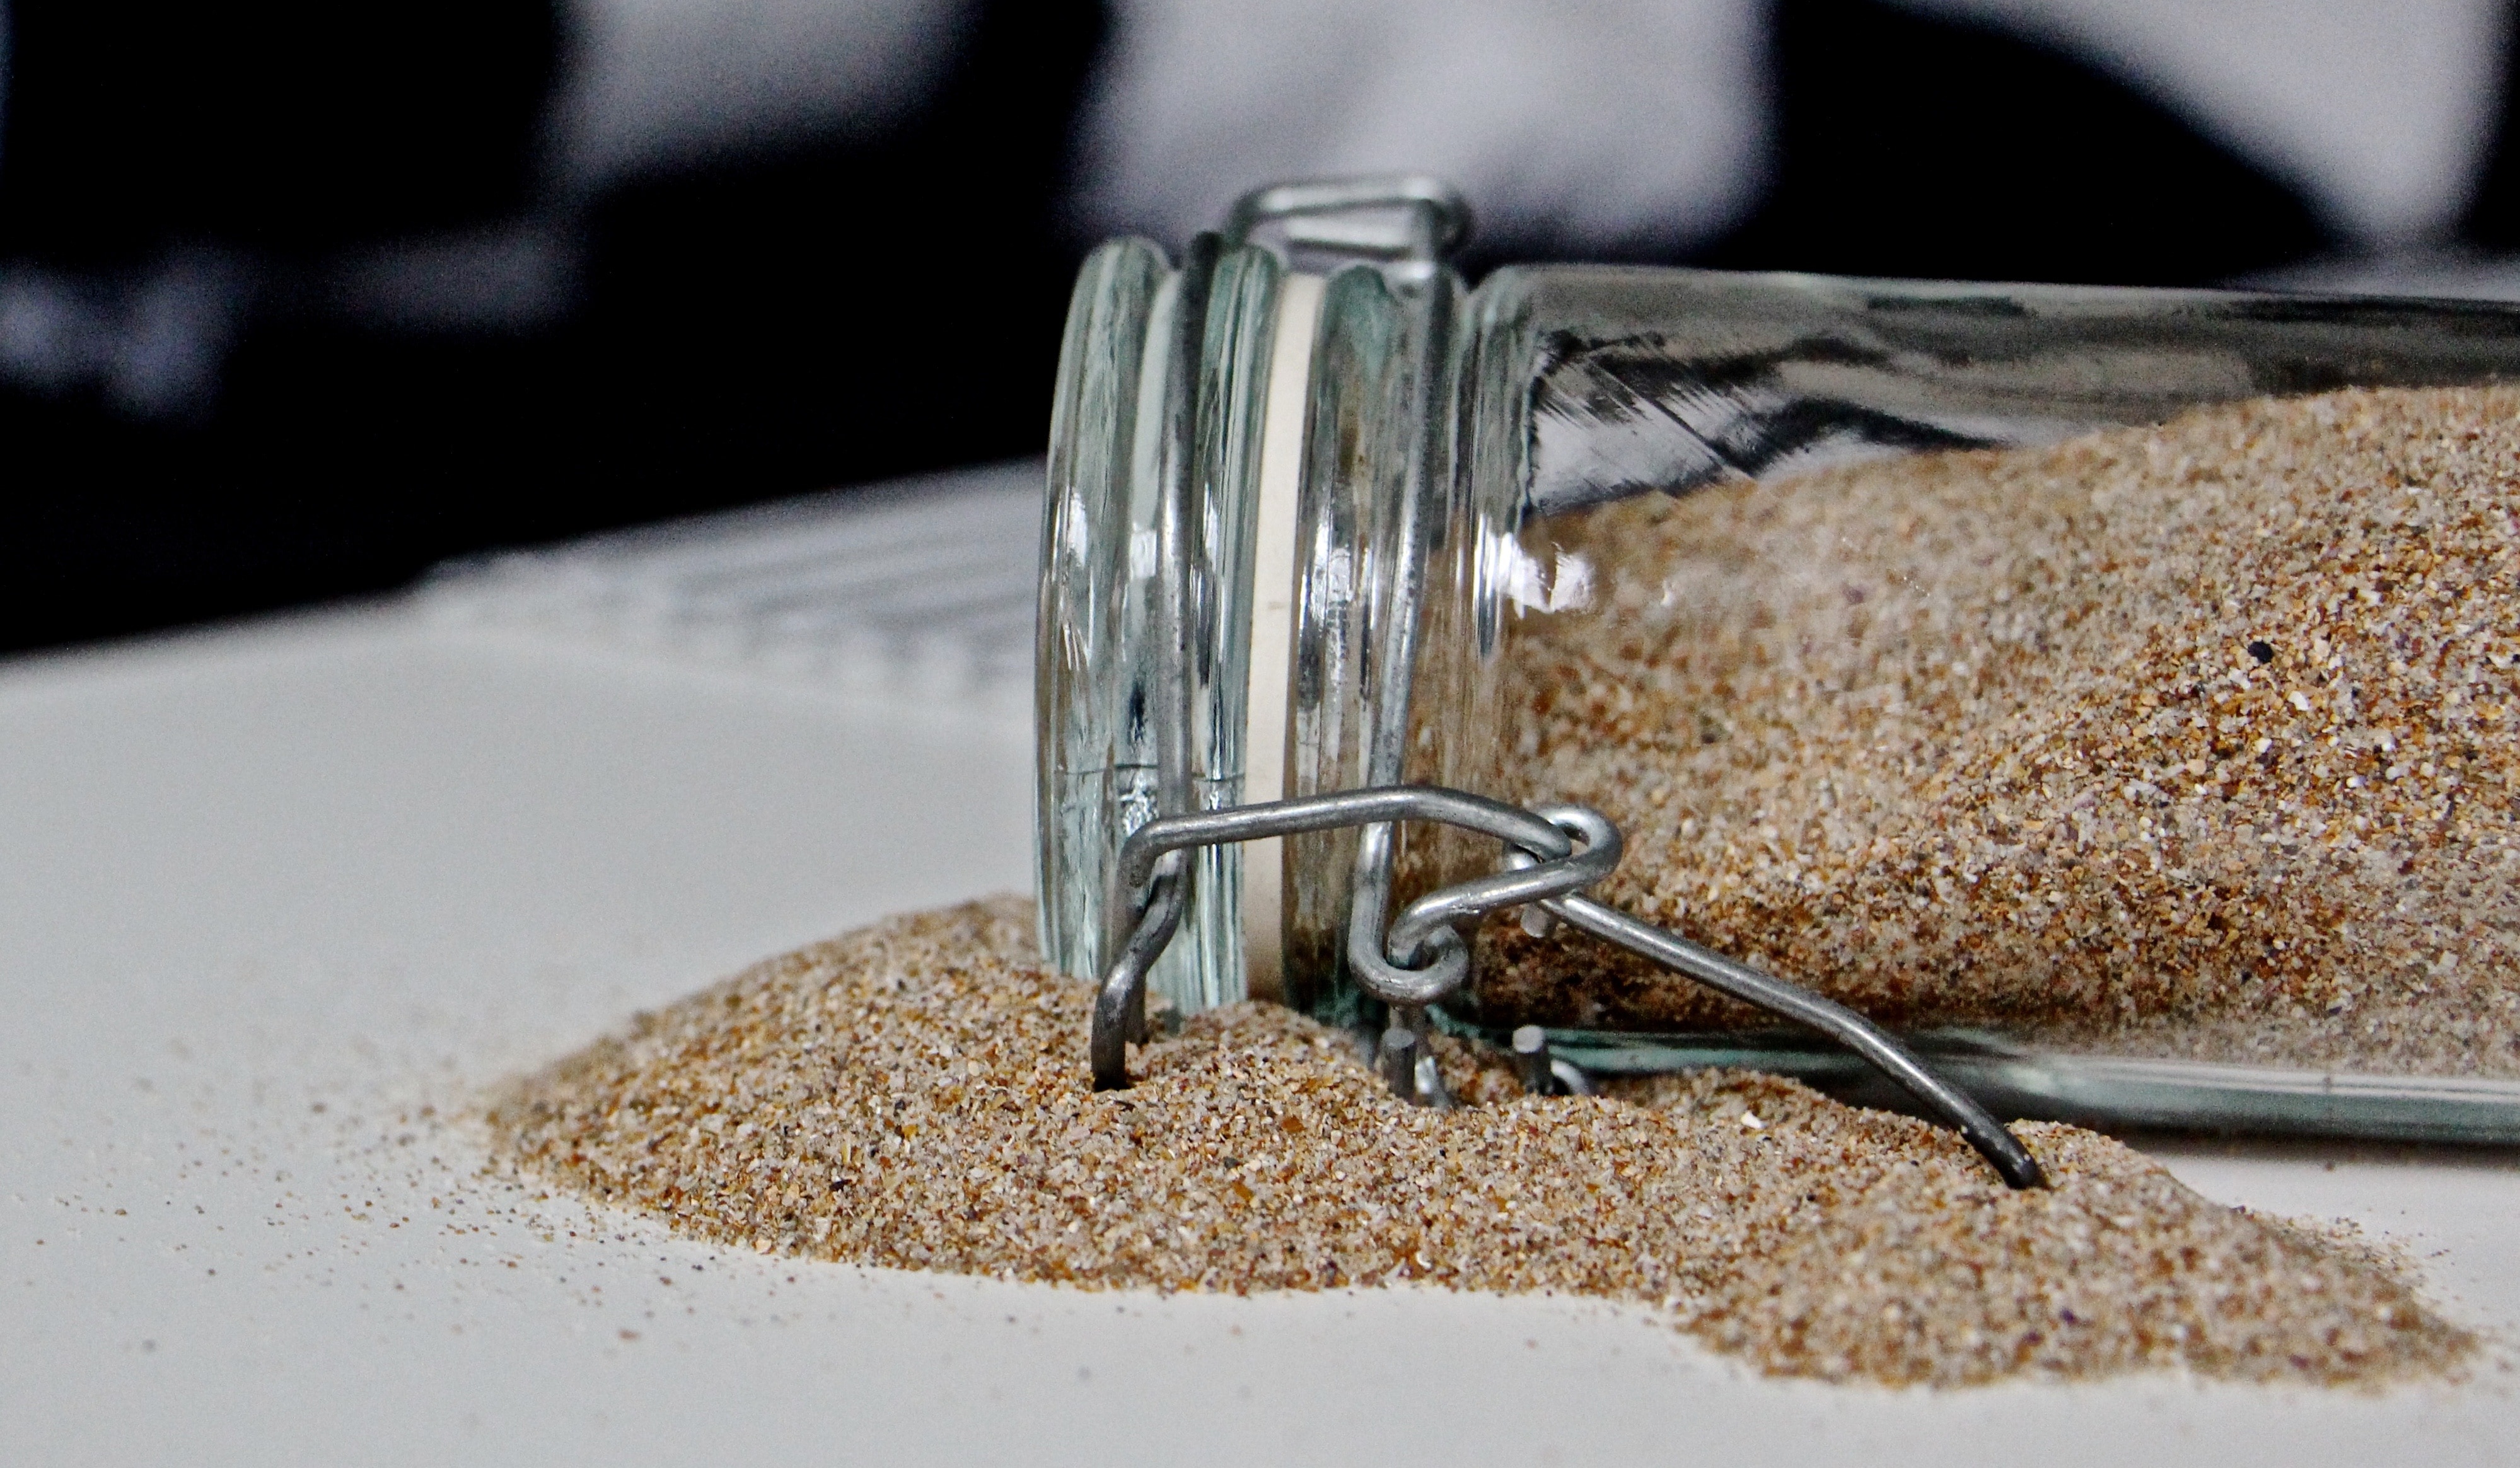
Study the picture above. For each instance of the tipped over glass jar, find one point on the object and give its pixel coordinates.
(2114, 693)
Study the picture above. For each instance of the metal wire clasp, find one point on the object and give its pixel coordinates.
(1553, 854)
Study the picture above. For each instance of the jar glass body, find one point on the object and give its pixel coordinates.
(1524, 565)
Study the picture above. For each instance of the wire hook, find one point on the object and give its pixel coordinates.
(1553, 853)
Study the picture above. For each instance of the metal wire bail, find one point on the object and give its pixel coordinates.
(1552, 855)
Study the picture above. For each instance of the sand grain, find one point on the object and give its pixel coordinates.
(914, 1095)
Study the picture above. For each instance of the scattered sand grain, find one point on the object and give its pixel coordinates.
(914, 1095)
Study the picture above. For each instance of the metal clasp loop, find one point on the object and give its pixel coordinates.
(1406, 224)
(1553, 853)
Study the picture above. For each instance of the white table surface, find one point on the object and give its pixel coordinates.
(268, 895)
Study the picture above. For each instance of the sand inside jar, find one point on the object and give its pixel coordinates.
(2196, 740)
(916, 1095)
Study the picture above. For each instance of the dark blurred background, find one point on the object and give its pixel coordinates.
(296, 300)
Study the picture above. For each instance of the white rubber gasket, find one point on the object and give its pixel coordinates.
(1273, 625)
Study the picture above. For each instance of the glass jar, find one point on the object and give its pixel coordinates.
(1401, 532)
